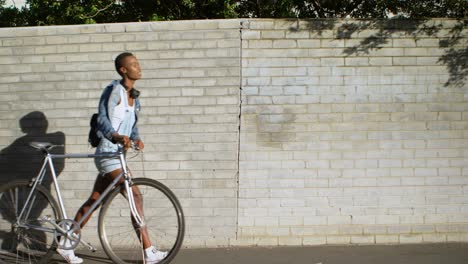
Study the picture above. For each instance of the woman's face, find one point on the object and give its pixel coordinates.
(131, 68)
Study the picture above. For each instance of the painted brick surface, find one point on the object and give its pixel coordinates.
(189, 118)
(349, 131)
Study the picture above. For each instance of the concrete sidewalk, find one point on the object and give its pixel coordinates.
(452, 253)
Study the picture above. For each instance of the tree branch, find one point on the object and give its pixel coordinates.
(318, 9)
(353, 7)
(99, 11)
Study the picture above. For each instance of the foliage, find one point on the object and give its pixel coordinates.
(11, 16)
(143, 10)
(455, 58)
(53, 12)
(59, 12)
(352, 8)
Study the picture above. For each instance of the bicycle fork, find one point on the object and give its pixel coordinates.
(131, 202)
(129, 191)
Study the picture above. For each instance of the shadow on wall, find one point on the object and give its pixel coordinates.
(20, 161)
(455, 56)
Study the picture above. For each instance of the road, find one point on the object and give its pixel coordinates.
(450, 253)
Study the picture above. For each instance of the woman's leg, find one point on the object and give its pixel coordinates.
(100, 185)
(140, 231)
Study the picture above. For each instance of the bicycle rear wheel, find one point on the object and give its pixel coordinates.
(32, 241)
(163, 217)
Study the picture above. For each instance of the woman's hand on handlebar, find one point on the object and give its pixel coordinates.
(138, 144)
(124, 140)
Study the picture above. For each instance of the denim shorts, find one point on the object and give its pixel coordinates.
(106, 165)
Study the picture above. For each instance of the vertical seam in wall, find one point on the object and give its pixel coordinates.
(239, 128)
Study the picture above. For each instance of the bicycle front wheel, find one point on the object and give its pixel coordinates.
(162, 215)
(29, 240)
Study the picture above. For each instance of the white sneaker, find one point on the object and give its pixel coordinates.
(153, 256)
(69, 256)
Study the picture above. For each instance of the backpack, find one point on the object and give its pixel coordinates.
(93, 137)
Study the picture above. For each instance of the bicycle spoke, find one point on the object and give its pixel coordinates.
(16, 207)
(120, 234)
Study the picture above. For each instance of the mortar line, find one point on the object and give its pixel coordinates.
(239, 128)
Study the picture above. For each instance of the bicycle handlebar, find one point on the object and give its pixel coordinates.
(132, 146)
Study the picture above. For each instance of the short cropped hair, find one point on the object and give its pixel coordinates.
(119, 60)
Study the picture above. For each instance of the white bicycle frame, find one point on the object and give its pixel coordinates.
(48, 163)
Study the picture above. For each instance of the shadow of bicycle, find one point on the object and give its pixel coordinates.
(19, 161)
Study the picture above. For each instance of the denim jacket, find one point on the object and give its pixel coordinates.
(104, 124)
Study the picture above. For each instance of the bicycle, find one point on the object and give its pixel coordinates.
(33, 222)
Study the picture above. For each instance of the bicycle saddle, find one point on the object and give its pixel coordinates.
(41, 145)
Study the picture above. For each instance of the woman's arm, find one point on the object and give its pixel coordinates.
(104, 123)
(135, 135)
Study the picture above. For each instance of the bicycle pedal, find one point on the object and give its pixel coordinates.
(87, 244)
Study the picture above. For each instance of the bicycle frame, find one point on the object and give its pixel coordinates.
(48, 163)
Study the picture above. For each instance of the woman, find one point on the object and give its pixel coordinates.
(118, 114)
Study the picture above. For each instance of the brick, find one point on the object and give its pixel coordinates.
(314, 240)
(332, 43)
(297, 34)
(338, 239)
(411, 239)
(362, 239)
(357, 61)
(434, 238)
(32, 41)
(45, 49)
(406, 43)
(308, 43)
(387, 239)
(404, 60)
(332, 62)
(250, 34)
(380, 61)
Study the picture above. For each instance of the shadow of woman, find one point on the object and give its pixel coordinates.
(20, 161)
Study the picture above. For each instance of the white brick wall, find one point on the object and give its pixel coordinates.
(340, 141)
(349, 147)
(190, 107)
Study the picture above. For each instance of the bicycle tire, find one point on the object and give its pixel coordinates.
(26, 245)
(163, 216)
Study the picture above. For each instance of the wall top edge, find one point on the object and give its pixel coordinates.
(150, 26)
(212, 24)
